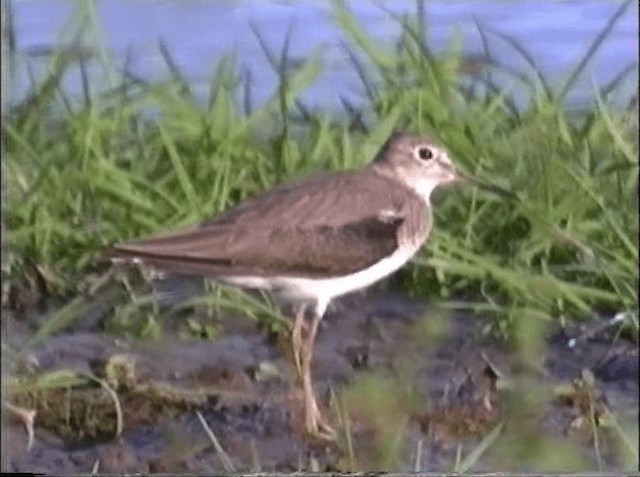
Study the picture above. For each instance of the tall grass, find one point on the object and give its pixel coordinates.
(142, 157)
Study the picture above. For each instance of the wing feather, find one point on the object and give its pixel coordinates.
(326, 226)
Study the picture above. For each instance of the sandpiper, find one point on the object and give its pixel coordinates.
(314, 240)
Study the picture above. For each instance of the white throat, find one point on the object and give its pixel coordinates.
(424, 187)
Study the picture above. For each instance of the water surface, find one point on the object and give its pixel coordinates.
(199, 32)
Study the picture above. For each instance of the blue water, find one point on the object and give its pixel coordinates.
(198, 33)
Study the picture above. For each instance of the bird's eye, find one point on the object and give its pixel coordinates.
(423, 153)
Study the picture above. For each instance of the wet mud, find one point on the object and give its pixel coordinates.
(408, 389)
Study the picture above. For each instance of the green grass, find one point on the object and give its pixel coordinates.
(141, 157)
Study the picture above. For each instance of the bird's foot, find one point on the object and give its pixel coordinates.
(324, 434)
(317, 426)
(27, 417)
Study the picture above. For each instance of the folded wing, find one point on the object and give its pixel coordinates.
(328, 226)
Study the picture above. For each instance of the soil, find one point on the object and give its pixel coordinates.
(407, 388)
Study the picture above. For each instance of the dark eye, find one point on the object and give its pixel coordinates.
(424, 153)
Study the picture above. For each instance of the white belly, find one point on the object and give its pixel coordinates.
(321, 291)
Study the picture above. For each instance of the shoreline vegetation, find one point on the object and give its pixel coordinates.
(555, 247)
(562, 246)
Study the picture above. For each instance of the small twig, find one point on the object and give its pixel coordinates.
(224, 458)
(456, 464)
(594, 427)
(255, 457)
(345, 425)
(417, 466)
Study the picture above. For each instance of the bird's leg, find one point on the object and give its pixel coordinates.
(314, 422)
(296, 338)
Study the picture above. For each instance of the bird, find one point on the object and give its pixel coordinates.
(311, 241)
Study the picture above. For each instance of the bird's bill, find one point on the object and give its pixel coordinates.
(448, 167)
(461, 177)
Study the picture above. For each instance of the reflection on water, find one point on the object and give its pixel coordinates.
(198, 33)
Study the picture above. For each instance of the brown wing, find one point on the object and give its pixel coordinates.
(325, 226)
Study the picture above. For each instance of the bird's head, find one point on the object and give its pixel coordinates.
(417, 162)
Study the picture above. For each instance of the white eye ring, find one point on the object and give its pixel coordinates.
(424, 153)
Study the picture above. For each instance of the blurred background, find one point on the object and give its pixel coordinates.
(198, 33)
(509, 343)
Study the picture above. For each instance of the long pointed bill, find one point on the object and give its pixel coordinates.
(496, 189)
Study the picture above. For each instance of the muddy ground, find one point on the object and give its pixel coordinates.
(409, 389)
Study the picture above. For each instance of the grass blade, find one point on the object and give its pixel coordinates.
(475, 455)
(593, 48)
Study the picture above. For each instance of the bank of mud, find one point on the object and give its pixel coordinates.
(413, 388)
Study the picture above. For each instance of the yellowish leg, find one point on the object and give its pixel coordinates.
(314, 422)
(296, 339)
